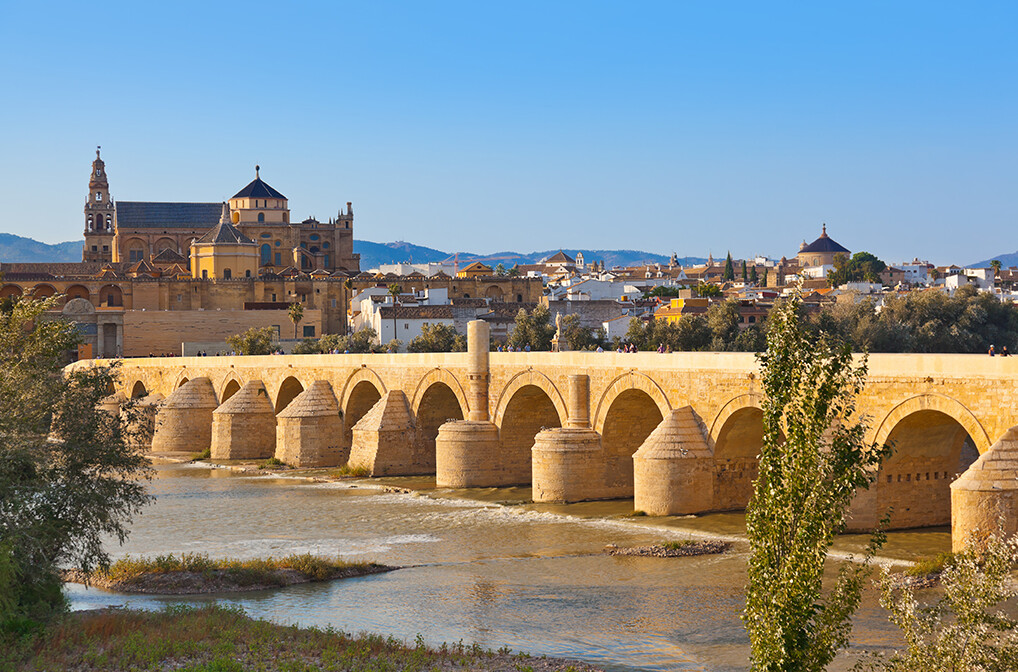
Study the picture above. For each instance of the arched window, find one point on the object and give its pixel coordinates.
(247, 273)
(227, 274)
(326, 261)
(261, 216)
(266, 254)
(325, 246)
(98, 196)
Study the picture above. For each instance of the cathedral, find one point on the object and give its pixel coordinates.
(257, 222)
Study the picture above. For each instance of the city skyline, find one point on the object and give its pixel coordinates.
(483, 129)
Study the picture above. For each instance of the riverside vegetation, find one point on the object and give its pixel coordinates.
(193, 573)
(69, 478)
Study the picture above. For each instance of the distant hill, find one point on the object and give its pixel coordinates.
(1006, 261)
(21, 249)
(373, 254)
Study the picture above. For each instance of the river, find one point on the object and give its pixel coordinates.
(490, 569)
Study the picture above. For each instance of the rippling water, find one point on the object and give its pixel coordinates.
(530, 577)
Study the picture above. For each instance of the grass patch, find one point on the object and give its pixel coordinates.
(346, 470)
(272, 463)
(203, 455)
(932, 564)
(218, 638)
(194, 573)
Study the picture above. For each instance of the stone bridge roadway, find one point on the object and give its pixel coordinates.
(571, 423)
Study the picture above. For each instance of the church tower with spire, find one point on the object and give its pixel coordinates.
(99, 211)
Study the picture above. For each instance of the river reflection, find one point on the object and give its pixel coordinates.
(524, 576)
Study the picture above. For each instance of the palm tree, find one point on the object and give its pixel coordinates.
(995, 265)
(394, 291)
(296, 313)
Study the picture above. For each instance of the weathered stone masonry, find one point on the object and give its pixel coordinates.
(678, 432)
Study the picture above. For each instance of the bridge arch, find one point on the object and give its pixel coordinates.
(934, 402)
(736, 437)
(229, 387)
(362, 390)
(933, 439)
(627, 421)
(288, 391)
(182, 378)
(10, 291)
(439, 376)
(530, 378)
(528, 404)
(629, 381)
(138, 390)
(435, 403)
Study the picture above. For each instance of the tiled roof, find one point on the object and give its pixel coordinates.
(416, 312)
(258, 189)
(225, 233)
(168, 256)
(559, 257)
(823, 244)
(151, 215)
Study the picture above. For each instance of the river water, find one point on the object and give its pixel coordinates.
(489, 569)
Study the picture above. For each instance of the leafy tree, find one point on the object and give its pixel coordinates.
(500, 269)
(723, 321)
(862, 266)
(764, 283)
(663, 291)
(61, 496)
(709, 290)
(438, 338)
(578, 337)
(513, 272)
(745, 275)
(814, 458)
(995, 265)
(254, 341)
(753, 277)
(391, 347)
(533, 329)
(729, 272)
(309, 346)
(965, 629)
(296, 313)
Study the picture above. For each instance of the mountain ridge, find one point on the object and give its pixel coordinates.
(15, 248)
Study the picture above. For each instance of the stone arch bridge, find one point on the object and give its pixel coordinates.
(679, 432)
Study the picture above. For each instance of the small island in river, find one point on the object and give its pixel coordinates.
(196, 573)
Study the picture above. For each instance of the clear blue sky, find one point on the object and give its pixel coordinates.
(482, 126)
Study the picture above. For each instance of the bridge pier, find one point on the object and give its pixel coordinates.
(467, 452)
(384, 439)
(244, 426)
(569, 462)
(309, 430)
(141, 421)
(184, 421)
(984, 500)
(674, 468)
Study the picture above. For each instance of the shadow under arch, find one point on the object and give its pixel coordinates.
(932, 443)
(436, 405)
(527, 410)
(138, 390)
(628, 420)
(736, 439)
(631, 380)
(288, 391)
(363, 390)
(440, 375)
(231, 388)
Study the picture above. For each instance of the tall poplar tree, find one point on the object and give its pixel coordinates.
(814, 459)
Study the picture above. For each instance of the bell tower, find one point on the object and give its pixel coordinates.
(99, 211)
